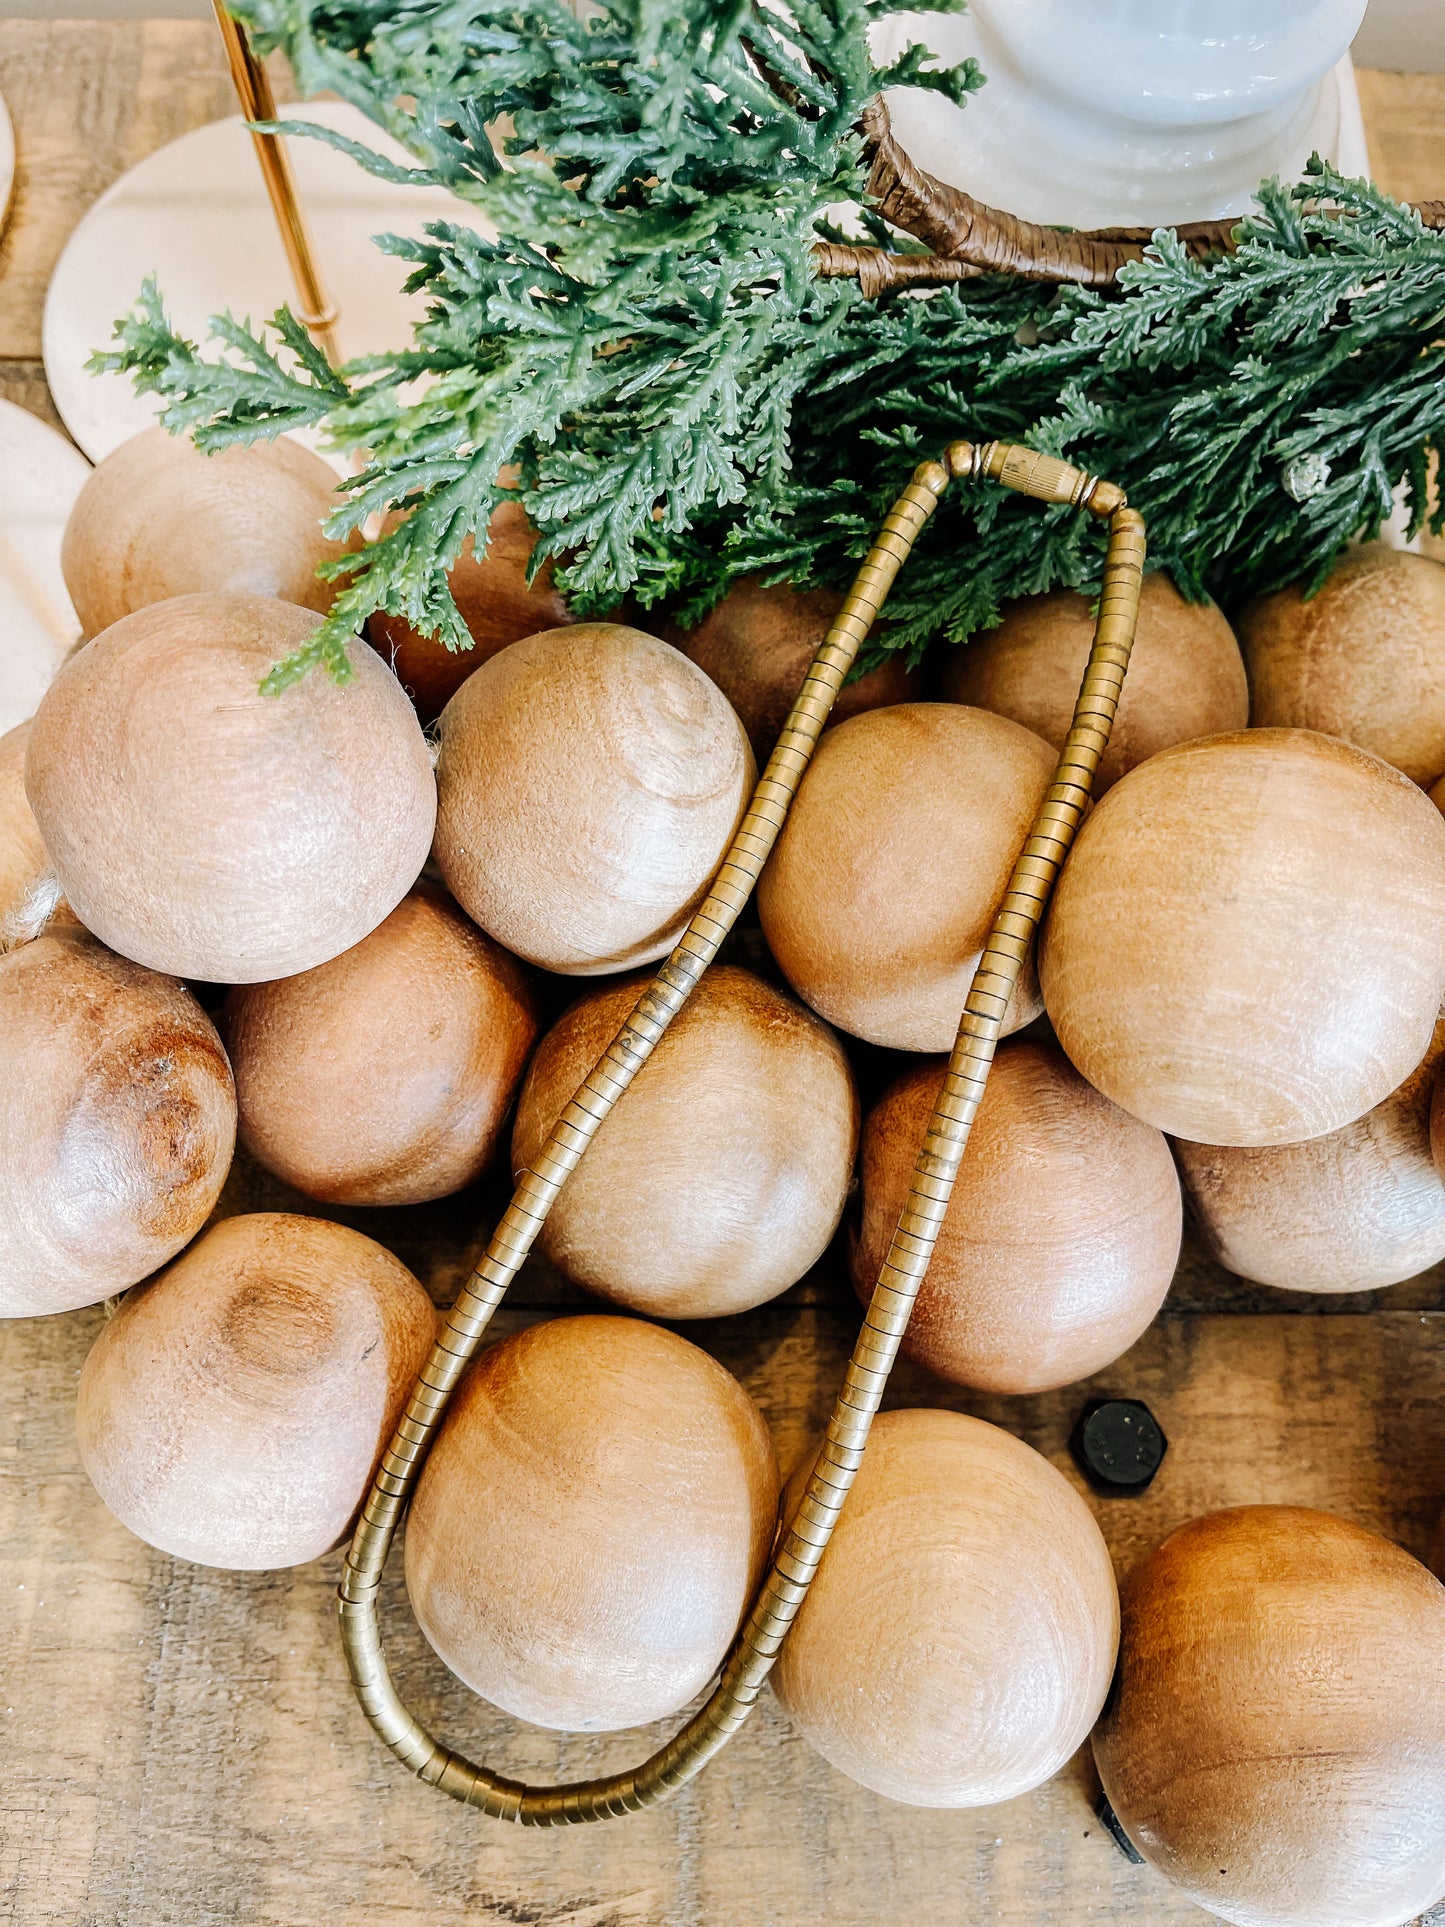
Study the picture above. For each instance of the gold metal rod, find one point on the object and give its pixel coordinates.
(1014, 926)
(314, 306)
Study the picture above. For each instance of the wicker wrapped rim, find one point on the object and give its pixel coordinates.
(801, 1547)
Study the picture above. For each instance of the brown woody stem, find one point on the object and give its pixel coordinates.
(967, 238)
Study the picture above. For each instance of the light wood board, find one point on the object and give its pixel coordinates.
(179, 1745)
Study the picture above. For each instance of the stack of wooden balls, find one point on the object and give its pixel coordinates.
(294, 921)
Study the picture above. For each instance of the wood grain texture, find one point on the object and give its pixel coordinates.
(179, 1745)
(1404, 116)
(214, 832)
(213, 1768)
(90, 98)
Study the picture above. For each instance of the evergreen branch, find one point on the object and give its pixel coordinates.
(650, 343)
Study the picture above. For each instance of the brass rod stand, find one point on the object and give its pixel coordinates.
(314, 306)
(801, 1548)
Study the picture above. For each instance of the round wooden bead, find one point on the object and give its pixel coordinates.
(1363, 659)
(1358, 1208)
(957, 1642)
(117, 1122)
(1186, 678)
(495, 601)
(879, 895)
(1061, 1236)
(757, 645)
(233, 1411)
(210, 831)
(591, 1522)
(722, 1173)
(1275, 1742)
(384, 1076)
(589, 783)
(1247, 943)
(159, 519)
(23, 862)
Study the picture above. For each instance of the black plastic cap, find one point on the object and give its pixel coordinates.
(1118, 1445)
(1110, 1822)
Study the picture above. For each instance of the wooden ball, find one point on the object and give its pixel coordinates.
(384, 1076)
(1247, 943)
(879, 895)
(1061, 1236)
(591, 1523)
(233, 1411)
(757, 645)
(1275, 1743)
(721, 1175)
(494, 600)
(1185, 679)
(1364, 659)
(117, 1122)
(590, 781)
(1358, 1208)
(159, 519)
(957, 1642)
(23, 862)
(210, 831)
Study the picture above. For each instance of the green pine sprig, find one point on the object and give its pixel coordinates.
(630, 330)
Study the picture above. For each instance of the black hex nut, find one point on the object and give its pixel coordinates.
(1118, 1445)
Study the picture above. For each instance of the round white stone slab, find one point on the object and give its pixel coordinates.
(195, 214)
(40, 476)
(7, 162)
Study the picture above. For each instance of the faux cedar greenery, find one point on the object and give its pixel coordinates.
(636, 332)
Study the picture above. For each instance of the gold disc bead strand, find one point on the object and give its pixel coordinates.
(1049, 480)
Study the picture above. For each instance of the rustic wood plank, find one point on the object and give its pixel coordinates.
(1405, 126)
(89, 99)
(176, 1735)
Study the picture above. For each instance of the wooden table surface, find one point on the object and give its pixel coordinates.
(180, 1745)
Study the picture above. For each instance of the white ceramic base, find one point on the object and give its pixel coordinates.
(1020, 146)
(195, 214)
(40, 476)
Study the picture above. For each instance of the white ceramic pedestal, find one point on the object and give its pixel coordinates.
(195, 214)
(40, 476)
(1103, 113)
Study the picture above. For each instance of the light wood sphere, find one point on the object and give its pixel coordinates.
(159, 519)
(590, 781)
(117, 1122)
(590, 1525)
(1358, 1208)
(957, 1642)
(384, 1076)
(234, 1410)
(212, 832)
(1186, 677)
(1275, 1742)
(1061, 1236)
(1364, 659)
(757, 645)
(23, 862)
(722, 1173)
(1247, 943)
(494, 600)
(880, 893)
